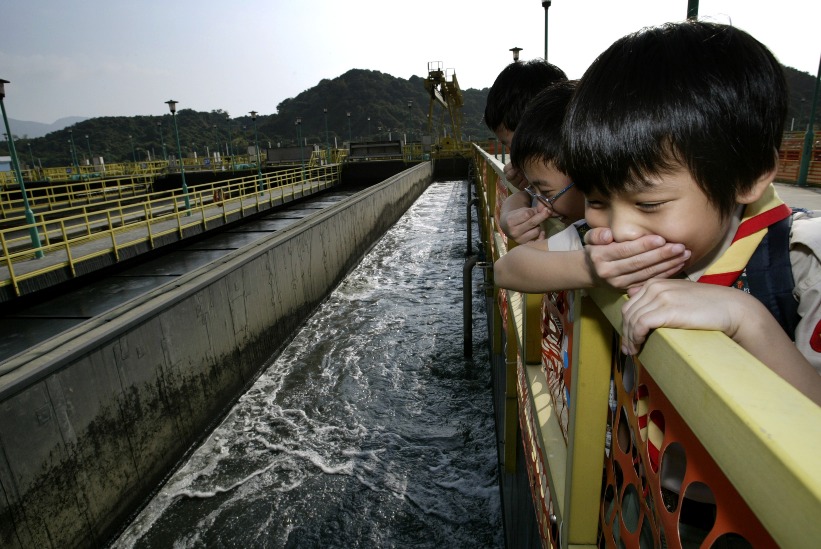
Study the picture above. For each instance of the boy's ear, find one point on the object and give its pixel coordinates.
(754, 193)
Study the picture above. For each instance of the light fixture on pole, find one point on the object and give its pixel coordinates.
(162, 140)
(90, 158)
(515, 54)
(133, 152)
(35, 236)
(260, 182)
(692, 9)
(546, 6)
(327, 139)
(298, 125)
(350, 138)
(74, 152)
(230, 144)
(806, 151)
(172, 105)
(407, 126)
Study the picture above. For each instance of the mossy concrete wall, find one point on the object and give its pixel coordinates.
(94, 419)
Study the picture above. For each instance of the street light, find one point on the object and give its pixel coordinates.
(515, 54)
(35, 236)
(88, 144)
(162, 140)
(545, 5)
(407, 126)
(808, 137)
(692, 9)
(172, 105)
(256, 145)
(298, 125)
(350, 138)
(230, 145)
(74, 151)
(369, 128)
(327, 139)
(133, 152)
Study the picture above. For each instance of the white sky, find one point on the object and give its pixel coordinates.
(123, 58)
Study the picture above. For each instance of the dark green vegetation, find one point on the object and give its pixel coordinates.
(365, 94)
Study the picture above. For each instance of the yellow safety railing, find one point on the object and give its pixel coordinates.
(698, 427)
(55, 197)
(72, 236)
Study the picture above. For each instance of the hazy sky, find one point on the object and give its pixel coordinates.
(112, 57)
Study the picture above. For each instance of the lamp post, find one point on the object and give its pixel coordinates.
(546, 6)
(350, 138)
(230, 145)
(298, 125)
(74, 151)
(407, 126)
(327, 139)
(692, 9)
(35, 236)
(369, 129)
(88, 144)
(133, 152)
(808, 137)
(515, 51)
(172, 105)
(256, 145)
(162, 140)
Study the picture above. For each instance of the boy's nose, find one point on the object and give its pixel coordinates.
(625, 229)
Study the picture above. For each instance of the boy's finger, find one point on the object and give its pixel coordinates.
(599, 236)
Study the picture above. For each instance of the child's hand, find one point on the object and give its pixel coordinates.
(625, 265)
(684, 304)
(515, 177)
(525, 224)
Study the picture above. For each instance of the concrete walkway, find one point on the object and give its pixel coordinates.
(800, 197)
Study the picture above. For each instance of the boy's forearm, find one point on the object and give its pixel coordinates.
(533, 270)
(761, 335)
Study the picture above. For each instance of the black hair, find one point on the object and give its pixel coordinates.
(707, 96)
(538, 136)
(513, 89)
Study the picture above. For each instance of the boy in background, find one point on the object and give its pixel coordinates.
(534, 152)
(507, 100)
(672, 136)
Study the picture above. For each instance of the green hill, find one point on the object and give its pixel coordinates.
(365, 94)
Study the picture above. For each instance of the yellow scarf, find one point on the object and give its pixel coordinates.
(758, 216)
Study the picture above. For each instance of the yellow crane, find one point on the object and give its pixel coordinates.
(443, 88)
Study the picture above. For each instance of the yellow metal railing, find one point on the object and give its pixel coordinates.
(753, 440)
(55, 197)
(72, 236)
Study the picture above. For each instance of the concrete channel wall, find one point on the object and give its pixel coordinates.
(92, 421)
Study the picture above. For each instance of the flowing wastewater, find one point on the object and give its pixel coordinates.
(369, 430)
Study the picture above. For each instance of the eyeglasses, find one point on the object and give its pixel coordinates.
(543, 199)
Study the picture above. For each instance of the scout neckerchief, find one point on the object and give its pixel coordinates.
(758, 216)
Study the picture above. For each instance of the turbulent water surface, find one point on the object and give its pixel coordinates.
(369, 430)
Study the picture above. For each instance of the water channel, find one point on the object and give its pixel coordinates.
(369, 430)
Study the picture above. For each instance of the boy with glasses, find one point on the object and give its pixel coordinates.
(512, 91)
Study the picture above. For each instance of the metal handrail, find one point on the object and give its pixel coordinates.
(82, 235)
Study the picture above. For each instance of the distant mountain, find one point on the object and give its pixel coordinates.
(26, 129)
